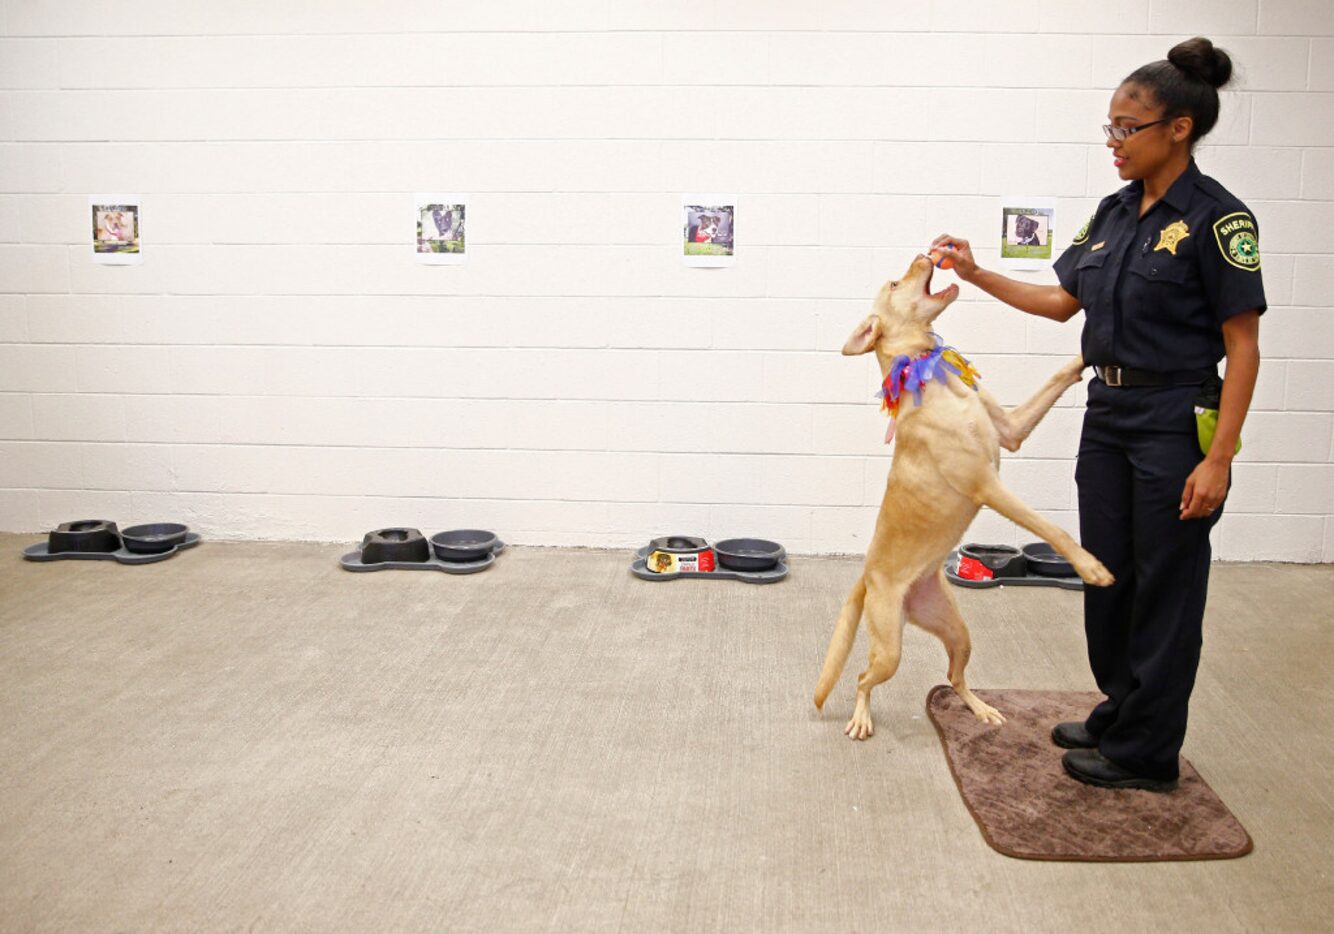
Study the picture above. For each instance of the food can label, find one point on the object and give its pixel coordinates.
(970, 569)
(666, 562)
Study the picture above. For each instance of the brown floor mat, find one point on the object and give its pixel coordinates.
(1012, 781)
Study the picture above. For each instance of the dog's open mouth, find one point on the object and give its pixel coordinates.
(946, 294)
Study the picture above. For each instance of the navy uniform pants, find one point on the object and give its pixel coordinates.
(1138, 447)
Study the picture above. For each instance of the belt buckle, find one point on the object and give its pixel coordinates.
(1111, 375)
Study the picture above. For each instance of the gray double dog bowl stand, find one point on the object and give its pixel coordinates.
(752, 560)
(101, 540)
(460, 551)
(1036, 565)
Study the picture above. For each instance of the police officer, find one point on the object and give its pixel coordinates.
(1167, 272)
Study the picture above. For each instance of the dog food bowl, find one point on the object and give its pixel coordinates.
(748, 554)
(678, 544)
(1043, 559)
(86, 535)
(394, 545)
(1002, 560)
(153, 538)
(463, 544)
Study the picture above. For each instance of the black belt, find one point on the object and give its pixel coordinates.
(1118, 376)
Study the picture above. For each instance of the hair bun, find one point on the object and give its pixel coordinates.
(1199, 58)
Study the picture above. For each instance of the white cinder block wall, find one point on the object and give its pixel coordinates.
(280, 368)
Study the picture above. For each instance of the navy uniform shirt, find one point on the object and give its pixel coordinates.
(1156, 289)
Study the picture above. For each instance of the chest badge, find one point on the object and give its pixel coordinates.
(1171, 235)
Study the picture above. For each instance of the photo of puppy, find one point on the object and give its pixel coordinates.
(440, 228)
(709, 231)
(704, 229)
(1026, 231)
(115, 228)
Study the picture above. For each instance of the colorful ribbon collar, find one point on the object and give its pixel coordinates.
(911, 374)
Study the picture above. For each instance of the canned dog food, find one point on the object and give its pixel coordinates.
(666, 562)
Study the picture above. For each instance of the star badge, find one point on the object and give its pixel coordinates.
(1171, 235)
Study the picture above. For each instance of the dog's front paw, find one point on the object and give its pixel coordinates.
(1074, 370)
(1094, 572)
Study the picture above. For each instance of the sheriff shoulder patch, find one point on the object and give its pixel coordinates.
(1238, 240)
(1083, 234)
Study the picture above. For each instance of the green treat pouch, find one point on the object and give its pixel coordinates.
(1206, 413)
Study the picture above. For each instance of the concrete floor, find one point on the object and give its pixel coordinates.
(246, 736)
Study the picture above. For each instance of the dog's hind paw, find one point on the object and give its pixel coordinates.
(860, 726)
(988, 714)
(982, 710)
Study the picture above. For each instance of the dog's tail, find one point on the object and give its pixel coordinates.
(840, 646)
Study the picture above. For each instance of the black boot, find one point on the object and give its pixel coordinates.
(1073, 735)
(1093, 768)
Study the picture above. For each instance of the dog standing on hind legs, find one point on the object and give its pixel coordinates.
(944, 470)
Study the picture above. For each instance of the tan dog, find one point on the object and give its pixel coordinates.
(944, 470)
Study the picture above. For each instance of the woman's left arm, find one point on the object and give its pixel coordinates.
(1206, 487)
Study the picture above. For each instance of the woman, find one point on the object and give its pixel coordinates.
(1167, 272)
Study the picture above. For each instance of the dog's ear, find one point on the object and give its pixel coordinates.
(863, 340)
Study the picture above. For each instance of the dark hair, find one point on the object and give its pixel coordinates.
(1186, 83)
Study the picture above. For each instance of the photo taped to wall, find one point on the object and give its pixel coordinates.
(441, 228)
(1026, 232)
(709, 229)
(116, 232)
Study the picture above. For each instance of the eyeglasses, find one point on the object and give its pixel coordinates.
(1120, 133)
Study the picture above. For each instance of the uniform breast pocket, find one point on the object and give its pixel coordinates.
(1162, 272)
(1091, 260)
(1089, 270)
(1155, 286)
